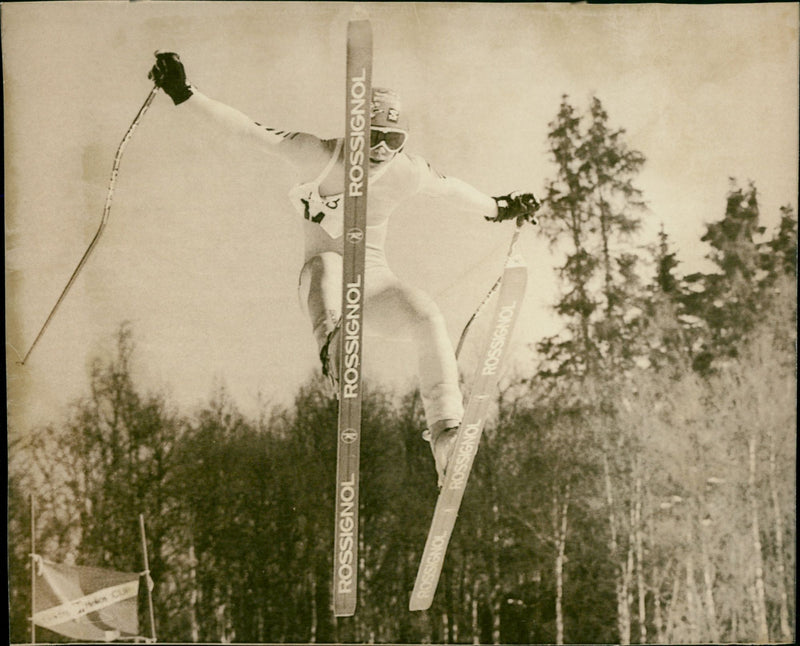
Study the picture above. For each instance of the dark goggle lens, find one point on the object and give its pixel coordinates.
(393, 140)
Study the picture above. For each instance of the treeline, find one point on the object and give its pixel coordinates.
(637, 487)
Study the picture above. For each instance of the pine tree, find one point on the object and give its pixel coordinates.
(590, 213)
(729, 301)
(782, 255)
(665, 330)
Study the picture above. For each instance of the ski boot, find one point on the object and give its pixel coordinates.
(442, 438)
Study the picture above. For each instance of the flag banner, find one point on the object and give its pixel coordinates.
(86, 603)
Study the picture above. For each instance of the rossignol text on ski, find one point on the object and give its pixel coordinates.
(356, 147)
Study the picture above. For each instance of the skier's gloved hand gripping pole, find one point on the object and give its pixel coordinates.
(103, 220)
(516, 205)
(169, 75)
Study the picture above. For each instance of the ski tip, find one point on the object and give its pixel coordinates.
(516, 261)
(359, 13)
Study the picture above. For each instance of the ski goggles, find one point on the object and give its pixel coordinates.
(393, 139)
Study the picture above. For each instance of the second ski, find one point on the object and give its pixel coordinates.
(512, 291)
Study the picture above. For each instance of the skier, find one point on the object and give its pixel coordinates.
(392, 308)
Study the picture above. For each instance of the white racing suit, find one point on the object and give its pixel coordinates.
(391, 308)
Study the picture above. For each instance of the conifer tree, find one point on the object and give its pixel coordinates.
(590, 212)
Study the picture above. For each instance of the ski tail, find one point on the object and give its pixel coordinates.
(358, 91)
(495, 351)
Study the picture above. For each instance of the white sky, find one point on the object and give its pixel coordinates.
(202, 250)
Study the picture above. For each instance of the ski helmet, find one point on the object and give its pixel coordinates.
(386, 109)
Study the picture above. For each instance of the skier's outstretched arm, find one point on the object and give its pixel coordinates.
(495, 209)
(303, 150)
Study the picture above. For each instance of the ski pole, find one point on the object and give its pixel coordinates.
(103, 221)
(492, 290)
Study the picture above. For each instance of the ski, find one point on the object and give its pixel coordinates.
(356, 147)
(495, 349)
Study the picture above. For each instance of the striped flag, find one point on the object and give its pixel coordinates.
(86, 603)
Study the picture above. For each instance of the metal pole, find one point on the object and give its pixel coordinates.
(103, 220)
(147, 579)
(489, 294)
(33, 570)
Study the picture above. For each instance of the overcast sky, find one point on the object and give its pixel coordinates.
(202, 250)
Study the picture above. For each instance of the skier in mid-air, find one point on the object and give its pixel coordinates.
(391, 308)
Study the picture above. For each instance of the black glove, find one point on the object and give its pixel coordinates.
(516, 206)
(169, 75)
